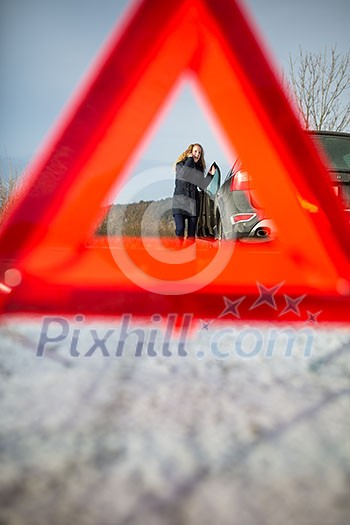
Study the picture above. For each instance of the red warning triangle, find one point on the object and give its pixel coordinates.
(102, 134)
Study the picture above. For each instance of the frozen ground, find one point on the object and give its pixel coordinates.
(197, 439)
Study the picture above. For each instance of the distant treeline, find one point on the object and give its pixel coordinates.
(9, 185)
(139, 219)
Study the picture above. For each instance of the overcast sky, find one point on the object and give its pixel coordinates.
(47, 46)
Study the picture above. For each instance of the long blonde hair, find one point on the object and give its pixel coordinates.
(189, 150)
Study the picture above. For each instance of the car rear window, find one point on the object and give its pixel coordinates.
(337, 150)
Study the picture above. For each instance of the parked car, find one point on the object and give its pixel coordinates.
(336, 145)
(232, 210)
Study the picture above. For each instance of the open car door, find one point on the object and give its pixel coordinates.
(206, 226)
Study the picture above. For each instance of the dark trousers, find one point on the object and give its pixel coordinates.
(180, 222)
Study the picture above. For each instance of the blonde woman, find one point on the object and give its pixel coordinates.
(189, 176)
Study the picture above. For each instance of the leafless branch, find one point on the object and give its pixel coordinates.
(321, 86)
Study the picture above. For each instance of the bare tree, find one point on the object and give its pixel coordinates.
(9, 187)
(321, 86)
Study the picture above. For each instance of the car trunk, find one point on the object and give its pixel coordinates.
(337, 149)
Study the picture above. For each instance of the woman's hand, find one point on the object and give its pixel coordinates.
(212, 170)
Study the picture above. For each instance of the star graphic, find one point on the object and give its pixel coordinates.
(205, 325)
(312, 317)
(231, 307)
(292, 305)
(266, 296)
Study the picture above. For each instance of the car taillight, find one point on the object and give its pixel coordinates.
(242, 217)
(240, 181)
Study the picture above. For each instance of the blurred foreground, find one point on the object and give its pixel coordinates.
(173, 440)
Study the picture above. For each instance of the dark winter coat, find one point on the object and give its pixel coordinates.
(189, 177)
